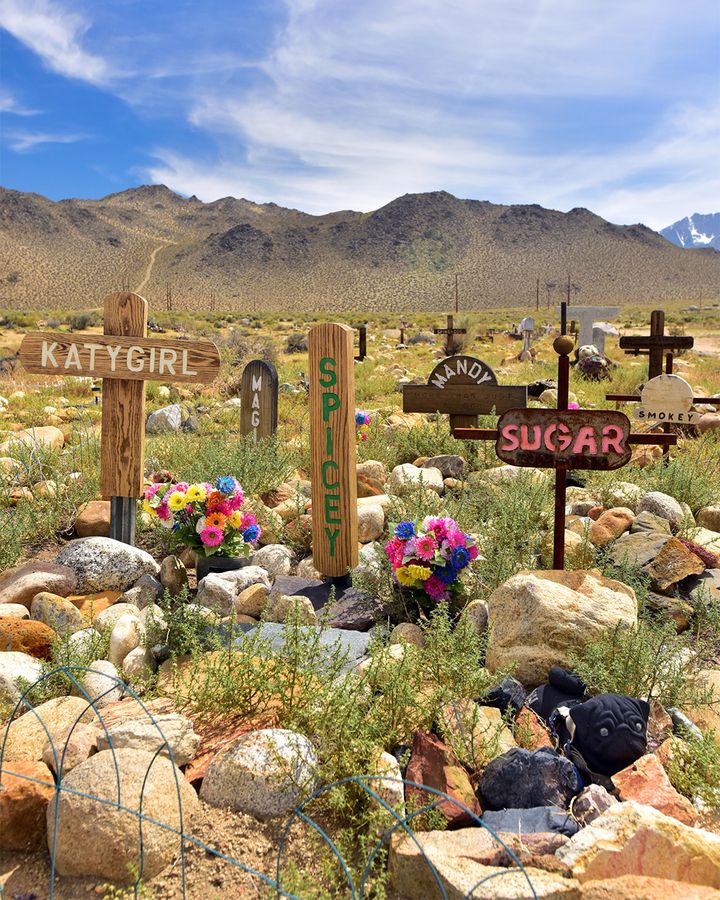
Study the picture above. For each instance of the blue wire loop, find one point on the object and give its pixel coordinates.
(369, 784)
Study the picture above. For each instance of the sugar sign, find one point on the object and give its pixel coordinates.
(332, 437)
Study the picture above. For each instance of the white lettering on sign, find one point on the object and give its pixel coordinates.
(168, 358)
(113, 353)
(476, 371)
(667, 416)
(93, 348)
(131, 364)
(73, 358)
(47, 354)
(185, 368)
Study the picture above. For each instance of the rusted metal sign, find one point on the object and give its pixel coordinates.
(568, 438)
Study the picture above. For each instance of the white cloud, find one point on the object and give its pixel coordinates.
(9, 105)
(55, 34)
(24, 141)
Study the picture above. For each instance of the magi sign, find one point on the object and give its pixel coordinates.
(332, 438)
(571, 439)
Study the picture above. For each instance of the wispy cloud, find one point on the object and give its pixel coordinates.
(55, 33)
(9, 105)
(25, 141)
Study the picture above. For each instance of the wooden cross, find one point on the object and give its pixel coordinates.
(585, 429)
(655, 344)
(449, 331)
(124, 358)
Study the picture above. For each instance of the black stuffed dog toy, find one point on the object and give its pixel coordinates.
(602, 734)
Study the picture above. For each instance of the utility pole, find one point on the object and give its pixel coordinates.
(457, 307)
(537, 294)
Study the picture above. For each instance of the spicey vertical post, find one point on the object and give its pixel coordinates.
(333, 446)
(123, 422)
(563, 346)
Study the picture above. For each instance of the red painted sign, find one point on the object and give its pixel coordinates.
(570, 439)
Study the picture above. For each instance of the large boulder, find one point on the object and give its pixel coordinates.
(276, 559)
(166, 420)
(645, 781)
(28, 735)
(57, 612)
(97, 839)
(21, 584)
(450, 465)
(27, 787)
(219, 590)
(630, 839)
(163, 731)
(16, 668)
(638, 549)
(535, 618)
(102, 564)
(264, 773)
(520, 779)
(93, 519)
(407, 477)
(433, 763)
(48, 436)
(26, 636)
(662, 505)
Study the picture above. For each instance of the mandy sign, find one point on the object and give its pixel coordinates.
(102, 356)
(572, 439)
(332, 437)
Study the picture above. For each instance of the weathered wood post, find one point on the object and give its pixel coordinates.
(259, 399)
(333, 446)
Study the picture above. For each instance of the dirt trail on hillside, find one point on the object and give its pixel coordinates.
(151, 263)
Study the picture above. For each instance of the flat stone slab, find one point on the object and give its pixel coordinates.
(353, 644)
(638, 549)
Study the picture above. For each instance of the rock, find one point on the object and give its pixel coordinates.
(173, 575)
(166, 420)
(631, 839)
(306, 569)
(101, 563)
(673, 608)
(276, 559)
(673, 563)
(23, 805)
(407, 477)
(610, 525)
(450, 466)
(251, 601)
(708, 422)
(146, 591)
(371, 523)
(279, 608)
(649, 522)
(109, 617)
(127, 634)
(476, 612)
(458, 860)
(91, 605)
(662, 505)
(57, 612)
(356, 611)
(264, 773)
(520, 779)
(332, 643)
(591, 803)
(68, 747)
(529, 731)
(475, 734)
(98, 840)
(164, 730)
(707, 717)
(709, 517)
(26, 636)
(14, 611)
(645, 781)
(299, 531)
(21, 584)
(623, 493)
(218, 591)
(637, 550)
(432, 763)
(28, 735)
(640, 887)
(408, 633)
(536, 820)
(535, 617)
(372, 469)
(139, 664)
(44, 436)
(93, 519)
(705, 586)
(17, 667)
(102, 683)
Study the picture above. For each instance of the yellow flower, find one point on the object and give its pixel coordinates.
(196, 493)
(419, 573)
(235, 519)
(177, 501)
(148, 509)
(404, 576)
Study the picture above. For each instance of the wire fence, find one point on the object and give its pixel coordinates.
(356, 888)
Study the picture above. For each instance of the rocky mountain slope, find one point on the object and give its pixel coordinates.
(402, 257)
(695, 231)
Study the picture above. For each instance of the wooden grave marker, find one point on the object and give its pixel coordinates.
(333, 446)
(656, 344)
(124, 358)
(563, 439)
(362, 343)
(666, 400)
(450, 331)
(259, 399)
(464, 388)
(586, 316)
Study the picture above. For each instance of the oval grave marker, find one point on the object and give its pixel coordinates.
(259, 399)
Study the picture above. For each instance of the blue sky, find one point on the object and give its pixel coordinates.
(345, 104)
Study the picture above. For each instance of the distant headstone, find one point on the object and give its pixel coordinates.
(259, 399)
(587, 316)
(527, 327)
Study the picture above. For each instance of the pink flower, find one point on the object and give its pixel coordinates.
(248, 519)
(237, 501)
(437, 526)
(151, 491)
(435, 589)
(394, 550)
(425, 546)
(222, 508)
(456, 538)
(181, 486)
(211, 536)
(163, 511)
(573, 405)
(473, 551)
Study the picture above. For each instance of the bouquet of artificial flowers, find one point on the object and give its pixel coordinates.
(430, 559)
(206, 517)
(362, 426)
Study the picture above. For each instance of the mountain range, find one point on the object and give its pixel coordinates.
(697, 230)
(236, 254)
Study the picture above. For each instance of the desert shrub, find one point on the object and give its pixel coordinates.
(81, 321)
(421, 338)
(296, 343)
(693, 767)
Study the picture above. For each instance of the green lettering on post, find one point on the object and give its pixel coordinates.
(327, 368)
(332, 509)
(330, 402)
(329, 464)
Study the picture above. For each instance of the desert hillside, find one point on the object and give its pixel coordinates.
(235, 254)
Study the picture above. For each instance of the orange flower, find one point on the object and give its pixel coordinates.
(215, 520)
(214, 498)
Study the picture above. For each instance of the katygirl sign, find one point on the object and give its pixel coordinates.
(332, 440)
(569, 438)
